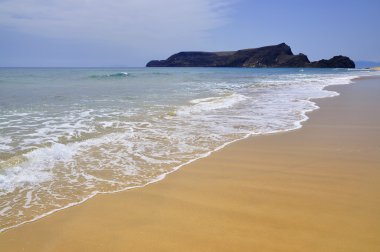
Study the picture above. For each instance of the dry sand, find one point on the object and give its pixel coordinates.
(313, 189)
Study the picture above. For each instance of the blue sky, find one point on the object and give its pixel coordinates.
(131, 32)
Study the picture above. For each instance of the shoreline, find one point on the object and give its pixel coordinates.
(297, 125)
(162, 183)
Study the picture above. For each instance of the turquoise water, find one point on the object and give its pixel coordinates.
(68, 134)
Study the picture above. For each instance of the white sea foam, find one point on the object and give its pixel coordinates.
(211, 103)
(37, 167)
(4, 143)
(28, 199)
(4, 210)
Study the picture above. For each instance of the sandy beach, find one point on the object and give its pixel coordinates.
(312, 189)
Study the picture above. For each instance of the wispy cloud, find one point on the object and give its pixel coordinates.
(134, 23)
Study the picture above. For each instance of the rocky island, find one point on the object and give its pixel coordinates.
(269, 56)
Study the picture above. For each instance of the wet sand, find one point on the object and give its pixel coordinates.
(313, 189)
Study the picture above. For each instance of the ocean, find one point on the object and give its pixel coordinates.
(67, 134)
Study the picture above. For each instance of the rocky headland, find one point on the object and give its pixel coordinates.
(269, 56)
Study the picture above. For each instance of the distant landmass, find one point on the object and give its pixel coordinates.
(269, 56)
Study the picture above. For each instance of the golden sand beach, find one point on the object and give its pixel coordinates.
(312, 189)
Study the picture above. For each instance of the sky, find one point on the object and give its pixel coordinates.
(128, 33)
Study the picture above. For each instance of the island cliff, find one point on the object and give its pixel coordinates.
(269, 56)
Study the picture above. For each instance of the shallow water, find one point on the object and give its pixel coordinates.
(68, 134)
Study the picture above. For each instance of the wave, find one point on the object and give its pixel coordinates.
(211, 103)
(364, 70)
(113, 75)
